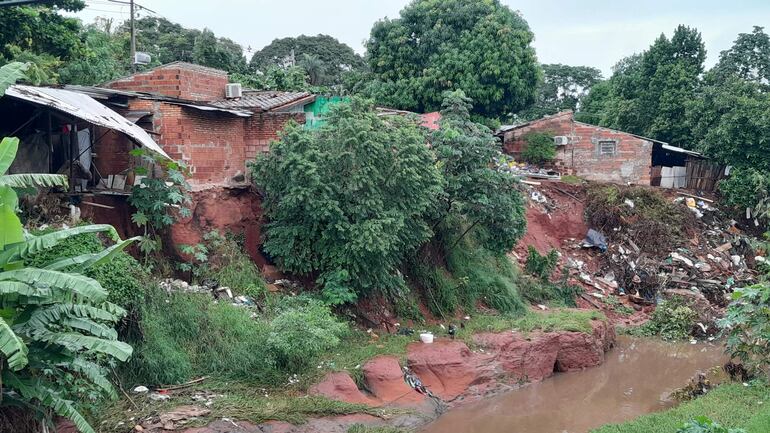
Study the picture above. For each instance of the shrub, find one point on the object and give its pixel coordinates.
(671, 320)
(541, 266)
(300, 333)
(350, 196)
(747, 326)
(748, 188)
(539, 148)
(123, 276)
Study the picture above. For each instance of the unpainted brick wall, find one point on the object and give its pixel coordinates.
(630, 164)
(262, 128)
(177, 82)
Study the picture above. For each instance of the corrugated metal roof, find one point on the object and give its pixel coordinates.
(86, 108)
(266, 100)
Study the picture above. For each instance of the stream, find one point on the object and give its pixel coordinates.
(636, 378)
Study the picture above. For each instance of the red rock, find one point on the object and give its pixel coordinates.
(448, 368)
(528, 358)
(385, 380)
(341, 387)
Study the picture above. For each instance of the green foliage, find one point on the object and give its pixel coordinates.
(648, 93)
(301, 332)
(41, 29)
(733, 405)
(56, 325)
(103, 58)
(540, 148)
(748, 58)
(188, 335)
(671, 320)
(747, 326)
(566, 319)
(329, 54)
(483, 48)
(476, 196)
(231, 267)
(292, 78)
(541, 266)
(704, 425)
(350, 196)
(562, 88)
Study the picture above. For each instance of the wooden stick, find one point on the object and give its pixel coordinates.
(184, 385)
(103, 206)
(695, 196)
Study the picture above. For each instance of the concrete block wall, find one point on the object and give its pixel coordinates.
(630, 164)
(262, 128)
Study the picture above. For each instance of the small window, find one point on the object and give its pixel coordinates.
(608, 147)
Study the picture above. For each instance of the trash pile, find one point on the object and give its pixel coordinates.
(715, 258)
(210, 287)
(506, 164)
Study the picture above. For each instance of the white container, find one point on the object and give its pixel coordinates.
(426, 338)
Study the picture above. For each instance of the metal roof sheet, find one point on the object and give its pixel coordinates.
(266, 100)
(86, 108)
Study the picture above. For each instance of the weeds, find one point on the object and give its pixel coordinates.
(541, 266)
(671, 320)
(570, 320)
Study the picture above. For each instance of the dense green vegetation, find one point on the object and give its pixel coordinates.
(539, 149)
(483, 48)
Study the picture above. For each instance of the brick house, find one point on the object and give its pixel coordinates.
(184, 107)
(589, 151)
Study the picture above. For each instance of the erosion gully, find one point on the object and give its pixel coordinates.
(638, 377)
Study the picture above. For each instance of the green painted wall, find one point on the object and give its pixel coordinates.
(314, 112)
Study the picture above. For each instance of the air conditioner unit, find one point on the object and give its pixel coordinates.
(561, 140)
(141, 58)
(233, 91)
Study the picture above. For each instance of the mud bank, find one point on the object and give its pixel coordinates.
(458, 374)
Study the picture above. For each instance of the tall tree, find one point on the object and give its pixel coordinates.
(104, 57)
(40, 28)
(562, 88)
(336, 57)
(648, 93)
(481, 47)
(747, 59)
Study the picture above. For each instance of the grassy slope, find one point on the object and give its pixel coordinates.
(732, 405)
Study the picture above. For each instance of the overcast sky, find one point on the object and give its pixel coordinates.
(587, 32)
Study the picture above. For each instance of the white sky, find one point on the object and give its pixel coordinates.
(587, 32)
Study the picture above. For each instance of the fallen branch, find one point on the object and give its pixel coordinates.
(183, 385)
(566, 193)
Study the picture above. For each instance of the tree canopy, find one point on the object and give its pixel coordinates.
(562, 88)
(481, 47)
(346, 203)
(325, 58)
(648, 92)
(41, 29)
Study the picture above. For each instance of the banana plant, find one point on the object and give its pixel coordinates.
(54, 321)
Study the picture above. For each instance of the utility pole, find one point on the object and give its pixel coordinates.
(133, 40)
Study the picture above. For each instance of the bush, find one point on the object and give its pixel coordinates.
(747, 326)
(300, 333)
(539, 148)
(748, 188)
(189, 335)
(541, 266)
(671, 320)
(351, 196)
(123, 276)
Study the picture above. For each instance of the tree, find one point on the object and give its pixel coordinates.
(748, 58)
(562, 88)
(481, 47)
(103, 59)
(56, 325)
(41, 29)
(483, 198)
(315, 68)
(336, 57)
(347, 202)
(648, 93)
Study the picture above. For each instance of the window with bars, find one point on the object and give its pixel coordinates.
(608, 147)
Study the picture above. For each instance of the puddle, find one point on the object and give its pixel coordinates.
(637, 378)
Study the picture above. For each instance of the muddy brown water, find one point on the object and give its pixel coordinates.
(637, 378)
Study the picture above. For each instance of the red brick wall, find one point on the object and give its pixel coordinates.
(262, 128)
(631, 163)
(203, 84)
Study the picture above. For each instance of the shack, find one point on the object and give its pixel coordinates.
(608, 155)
